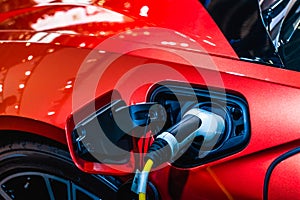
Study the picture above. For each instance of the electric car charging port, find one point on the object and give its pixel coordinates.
(179, 99)
(220, 110)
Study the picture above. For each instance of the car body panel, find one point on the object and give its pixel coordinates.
(54, 96)
(285, 178)
(92, 20)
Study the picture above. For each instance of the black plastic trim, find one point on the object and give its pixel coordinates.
(242, 25)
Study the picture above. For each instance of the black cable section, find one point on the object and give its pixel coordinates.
(272, 167)
(144, 135)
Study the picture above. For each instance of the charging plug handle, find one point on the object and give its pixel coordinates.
(196, 122)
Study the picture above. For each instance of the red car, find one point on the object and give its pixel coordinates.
(109, 79)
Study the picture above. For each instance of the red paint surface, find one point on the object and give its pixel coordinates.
(285, 179)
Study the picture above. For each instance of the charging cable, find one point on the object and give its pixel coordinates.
(169, 145)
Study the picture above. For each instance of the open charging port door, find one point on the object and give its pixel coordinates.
(100, 134)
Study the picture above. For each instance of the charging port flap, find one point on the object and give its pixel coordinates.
(100, 134)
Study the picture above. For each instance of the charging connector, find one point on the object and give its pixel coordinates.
(171, 143)
(175, 141)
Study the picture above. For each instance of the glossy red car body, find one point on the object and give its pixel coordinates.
(39, 68)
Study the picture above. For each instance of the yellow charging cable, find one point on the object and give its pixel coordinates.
(147, 169)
